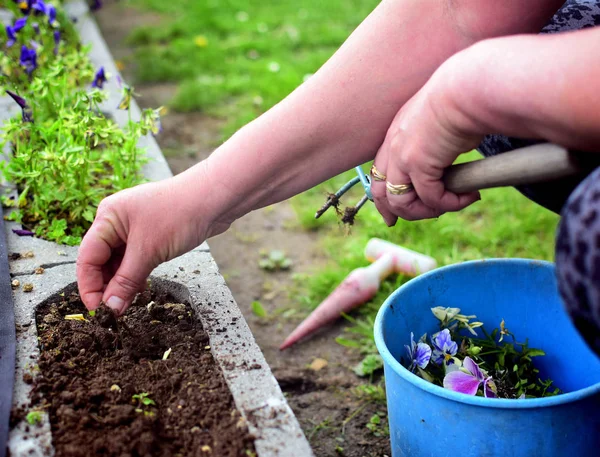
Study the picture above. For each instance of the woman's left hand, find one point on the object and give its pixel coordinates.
(425, 137)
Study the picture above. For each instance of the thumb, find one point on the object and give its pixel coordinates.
(129, 279)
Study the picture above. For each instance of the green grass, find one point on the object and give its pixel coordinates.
(255, 53)
(258, 52)
(502, 224)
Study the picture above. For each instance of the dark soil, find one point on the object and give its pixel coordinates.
(109, 392)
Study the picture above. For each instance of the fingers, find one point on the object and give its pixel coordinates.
(129, 279)
(378, 177)
(95, 251)
(404, 162)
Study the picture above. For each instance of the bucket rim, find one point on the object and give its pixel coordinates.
(502, 403)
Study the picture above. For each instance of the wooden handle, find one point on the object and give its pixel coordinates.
(530, 165)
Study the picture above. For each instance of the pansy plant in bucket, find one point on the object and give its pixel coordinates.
(458, 359)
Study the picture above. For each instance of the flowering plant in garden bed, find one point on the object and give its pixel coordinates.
(496, 366)
(66, 154)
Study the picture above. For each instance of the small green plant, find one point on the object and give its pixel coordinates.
(376, 426)
(34, 417)
(275, 260)
(144, 402)
(369, 365)
(371, 393)
(258, 309)
(143, 399)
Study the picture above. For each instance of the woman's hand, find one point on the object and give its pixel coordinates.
(527, 86)
(425, 137)
(134, 231)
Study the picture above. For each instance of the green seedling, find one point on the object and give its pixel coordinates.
(143, 400)
(275, 260)
(34, 417)
(377, 426)
(258, 309)
(369, 365)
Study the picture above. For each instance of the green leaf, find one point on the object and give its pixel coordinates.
(535, 352)
(258, 309)
(88, 215)
(369, 365)
(348, 343)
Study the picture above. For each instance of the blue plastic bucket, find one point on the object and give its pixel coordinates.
(427, 420)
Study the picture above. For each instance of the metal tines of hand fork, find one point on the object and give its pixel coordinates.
(334, 199)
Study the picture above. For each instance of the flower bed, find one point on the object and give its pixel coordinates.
(148, 380)
(44, 272)
(66, 154)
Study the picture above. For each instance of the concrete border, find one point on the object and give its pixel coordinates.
(255, 390)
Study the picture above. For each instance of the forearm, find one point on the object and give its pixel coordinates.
(543, 87)
(339, 117)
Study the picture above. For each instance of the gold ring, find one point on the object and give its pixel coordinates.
(398, 189)
(377, 175)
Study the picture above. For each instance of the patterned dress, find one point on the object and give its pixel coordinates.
(578, 237)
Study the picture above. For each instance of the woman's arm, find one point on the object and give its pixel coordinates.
(336, 120)
(543, 87)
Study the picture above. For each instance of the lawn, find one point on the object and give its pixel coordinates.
(235, 59)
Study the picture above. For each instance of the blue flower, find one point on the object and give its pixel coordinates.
(99, 79)
(443, 347)
(51, 13)
(39, 6)
(418, 353)
(47, 9)
(28, 59)
(19, 24)
(96, 5)
(56, 41)
(25, 6)
(25, 108)
(36, 28)
(11, 31)
(12, 36)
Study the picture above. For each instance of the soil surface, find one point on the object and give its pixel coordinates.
(111, 389)
(332, 416)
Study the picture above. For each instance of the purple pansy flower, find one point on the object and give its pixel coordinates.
(11, 31)
(19, 24)
(25, 6)
(36, 28)
(39, 6)
(443, 347)
(56, 41)
(12, 36)
(468, 383)
(96, 5)
(418, 353)
(51, 13)
(99, 79)
(28, 59)
(25, 108)
(23, 232)
(46, 8)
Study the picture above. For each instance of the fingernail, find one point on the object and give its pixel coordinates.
(115, 303)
